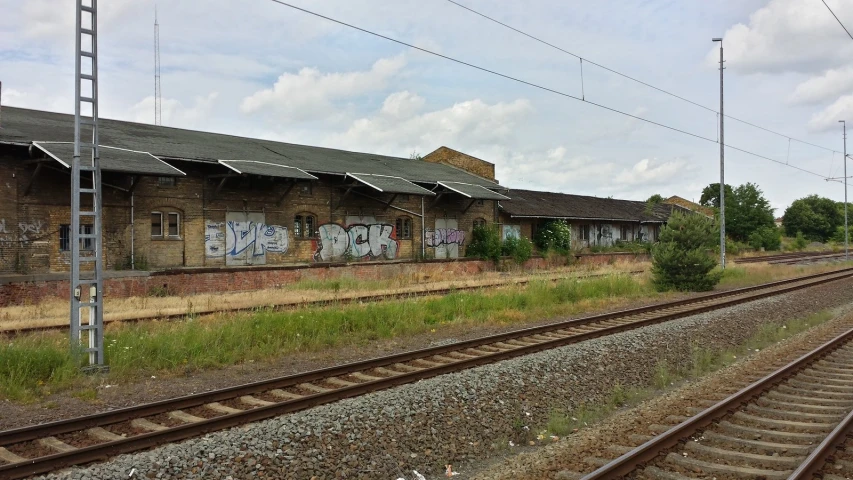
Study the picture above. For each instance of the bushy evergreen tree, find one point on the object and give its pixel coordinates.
(682, 259)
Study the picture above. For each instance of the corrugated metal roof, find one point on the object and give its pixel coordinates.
(473, 191)
(24, 126)
(252, 167)
(388, 184)
(113, 159)
(530, 203)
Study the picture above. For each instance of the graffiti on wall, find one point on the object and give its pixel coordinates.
(26, 233)
(235, 238)
(511, 231)
(255, 239)
(358, 241)
(444, 236)
(214, 239)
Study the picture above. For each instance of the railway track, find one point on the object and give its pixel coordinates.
(788, 257)
(47, 447)
(342, 300)
(789, 424)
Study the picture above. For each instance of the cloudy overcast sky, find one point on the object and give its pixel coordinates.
(256, 68)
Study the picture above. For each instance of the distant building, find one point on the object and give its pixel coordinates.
(593, 220)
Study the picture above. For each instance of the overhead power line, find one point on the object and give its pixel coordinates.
(837, 19)
(634, 79)
(541, 87)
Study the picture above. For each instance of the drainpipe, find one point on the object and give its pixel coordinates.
(132, 235)
(423, 229)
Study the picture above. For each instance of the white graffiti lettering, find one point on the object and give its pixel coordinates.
(444, 236)
(214, 239)
(3, 225)
(359, 241)
(256, 238)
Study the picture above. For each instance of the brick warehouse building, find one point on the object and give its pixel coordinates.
(180, 198)
(594, 221)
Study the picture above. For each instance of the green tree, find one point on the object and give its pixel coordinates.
(816, 217)
(682, 260)
(747, 210)
(655, 199)
(768, 238)
(553, 235)
(711, 196)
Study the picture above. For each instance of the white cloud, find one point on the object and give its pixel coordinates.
(648, 172)
(830, 85)
(828, 118)
(465, 125)
(53, 20)
(310, 94)
(174, 113)
(785, 35)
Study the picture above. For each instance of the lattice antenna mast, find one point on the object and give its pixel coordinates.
(86, 283)
(158, 111)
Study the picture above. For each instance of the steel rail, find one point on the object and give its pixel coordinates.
(371, 297)
(648, 451)
(816, 460)
(783, 256)
(147, 440)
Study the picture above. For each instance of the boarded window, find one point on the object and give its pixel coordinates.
(584, 231)
(305, 188)
(479, 222)
(156, 224)
(626, 232)
(404, 228)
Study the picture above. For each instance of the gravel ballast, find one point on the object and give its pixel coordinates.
(459, 418)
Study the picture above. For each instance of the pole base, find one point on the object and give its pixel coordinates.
(95, 369)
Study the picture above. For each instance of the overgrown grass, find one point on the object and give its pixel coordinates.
(32, 366)
(703, 362)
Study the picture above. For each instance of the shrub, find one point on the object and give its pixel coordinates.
(485, 243)
(681, 260)
(554, 235)
(520, 249)
(800, 242)
(768, 238)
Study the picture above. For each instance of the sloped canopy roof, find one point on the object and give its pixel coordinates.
(533, 204)
(23, 126)
(473, 191)
(388, 184)
(252, 167)
(112, 159)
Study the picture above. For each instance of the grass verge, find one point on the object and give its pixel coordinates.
(33, 366)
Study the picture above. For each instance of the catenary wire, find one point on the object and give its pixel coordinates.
(837, 19)
(534, 85)
(633, 79)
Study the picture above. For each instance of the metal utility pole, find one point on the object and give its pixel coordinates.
(722, 166)
(86, 287)
(844, 159)
(158, 119)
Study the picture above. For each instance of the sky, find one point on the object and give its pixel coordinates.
(260, 69)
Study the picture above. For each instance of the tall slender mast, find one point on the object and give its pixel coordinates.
(158, 113)
(87, 254)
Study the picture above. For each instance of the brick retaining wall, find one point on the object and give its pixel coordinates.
(32, 289)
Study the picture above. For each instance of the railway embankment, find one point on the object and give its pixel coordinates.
(461, 418)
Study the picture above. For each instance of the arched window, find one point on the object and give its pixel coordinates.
(304, 226)
(404, 228)
(479, 222)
